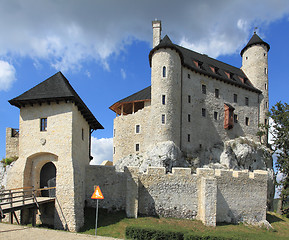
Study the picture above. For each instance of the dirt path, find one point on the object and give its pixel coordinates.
(8, 232)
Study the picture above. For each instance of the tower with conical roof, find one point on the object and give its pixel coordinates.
(255, 66)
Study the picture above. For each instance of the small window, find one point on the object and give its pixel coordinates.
(113, 150)
(189, 76)
(203, 112)
(137, 147)
(204, 89)
(235, 98)
(163, 118)
(189, 99)
(265, 121)
(82, 134)
(137, 128)
(189, 117)
(246, 58)
(247, 121)
(264, 54)
(163, 99)
(265, 71)
(114, 132)
(43, 124)
(189, 137)
(246, 101)
(164, 71)
(235, 118)
(216, 115)
(266, 104)
(265, 86)
(217, 94)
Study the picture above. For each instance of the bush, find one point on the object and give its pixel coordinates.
(142, 233)
(8, 161)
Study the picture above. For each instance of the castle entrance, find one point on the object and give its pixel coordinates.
(48, 179)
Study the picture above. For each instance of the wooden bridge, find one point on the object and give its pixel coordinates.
(12, 200)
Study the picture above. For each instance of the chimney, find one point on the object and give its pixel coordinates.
(157, 29)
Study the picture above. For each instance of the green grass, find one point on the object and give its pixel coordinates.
(114, 224)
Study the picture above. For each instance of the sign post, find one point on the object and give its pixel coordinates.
(97, 195)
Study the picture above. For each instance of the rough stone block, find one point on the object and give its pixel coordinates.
(182, 171)
(156, 170)
(205, 172)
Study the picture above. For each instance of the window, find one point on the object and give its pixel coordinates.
(228, 116)
(247, 121)
(217, 93)
(203, 112)
(137, 147)
(43, 124)
(163, 118)
(82, 134)
(235, 98)
(163, 99)
(114, 132)
(265, 71)
(235, 118)
(265, 121)
(113, 150)
(266, 104)
(137, 128)
(216, 115)
(246, 101)
(164, 71)
(204, 89)
(265, 86)
(189, 117)
(189, 99)
(189, 76)
(189, 137)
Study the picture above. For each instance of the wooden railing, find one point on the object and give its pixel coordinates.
(18, 196)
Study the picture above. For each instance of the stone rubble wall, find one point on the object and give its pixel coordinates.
(209, 195)
(12, 143)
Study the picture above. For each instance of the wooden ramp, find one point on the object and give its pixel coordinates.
(12, 200)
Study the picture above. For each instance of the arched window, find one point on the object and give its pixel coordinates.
(164, 71)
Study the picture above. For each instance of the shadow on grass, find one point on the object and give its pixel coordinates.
(105, 218)
(272, 218)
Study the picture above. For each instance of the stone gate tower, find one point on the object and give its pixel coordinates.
(255, 66)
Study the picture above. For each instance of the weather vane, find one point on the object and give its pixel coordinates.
(255, 29)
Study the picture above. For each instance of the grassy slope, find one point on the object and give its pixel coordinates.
(114, 224)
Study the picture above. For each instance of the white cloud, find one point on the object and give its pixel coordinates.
(101, 150)
(66, 35)
(123, 73)
(7, 75)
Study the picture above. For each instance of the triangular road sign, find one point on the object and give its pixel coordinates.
(97, 194)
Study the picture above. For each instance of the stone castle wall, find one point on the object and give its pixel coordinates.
(12, 142)
(209, 195)
(207, 131)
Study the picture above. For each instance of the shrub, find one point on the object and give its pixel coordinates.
(8, 161)
(141, 233)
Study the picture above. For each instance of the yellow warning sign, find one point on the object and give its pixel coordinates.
(97, 194)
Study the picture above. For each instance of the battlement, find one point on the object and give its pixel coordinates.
(203, 172)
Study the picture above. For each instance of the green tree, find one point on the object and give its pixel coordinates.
(279, 130)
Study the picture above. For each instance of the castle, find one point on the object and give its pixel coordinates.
(194, 103)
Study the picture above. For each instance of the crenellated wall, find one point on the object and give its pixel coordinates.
(208, 195)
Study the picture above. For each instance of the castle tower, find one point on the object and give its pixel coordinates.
(54, 148)
(255, 66)
(166, 70)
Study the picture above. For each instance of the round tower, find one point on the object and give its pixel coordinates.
(255, 66)
(166, 68)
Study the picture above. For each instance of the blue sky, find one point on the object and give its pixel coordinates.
(102, 47)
